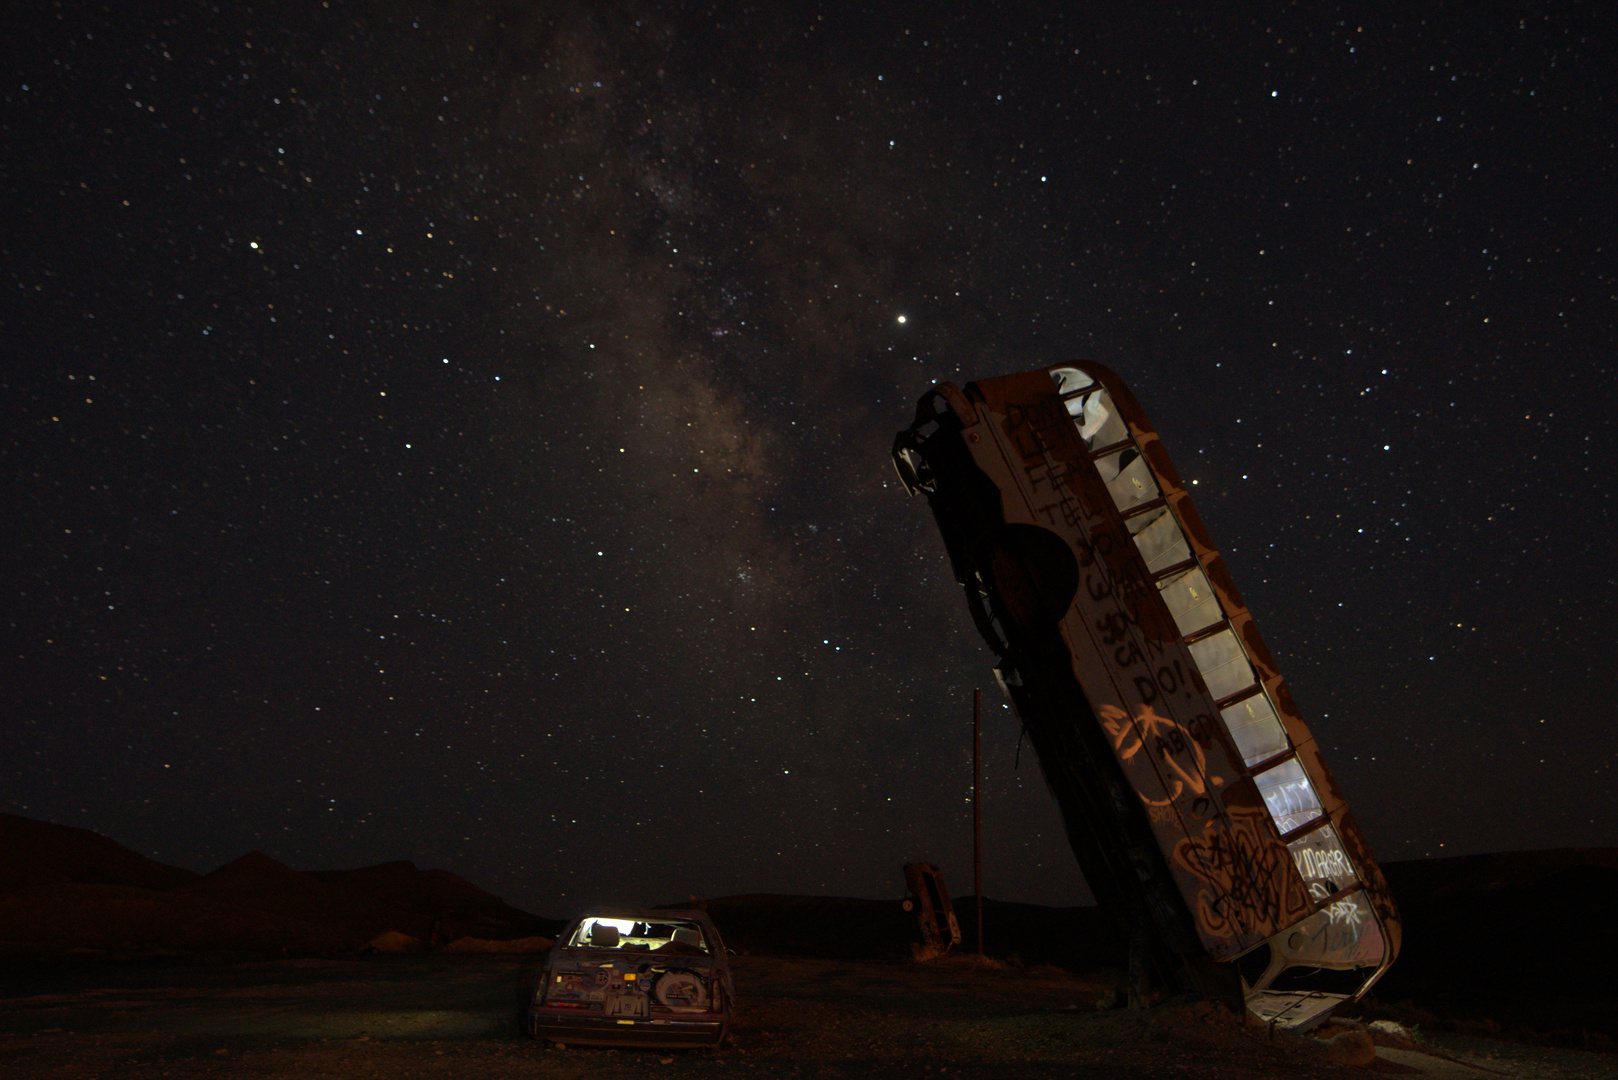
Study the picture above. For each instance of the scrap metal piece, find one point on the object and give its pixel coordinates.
(940, 932)
(1194, 796)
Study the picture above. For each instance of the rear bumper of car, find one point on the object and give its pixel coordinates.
(568, 1026)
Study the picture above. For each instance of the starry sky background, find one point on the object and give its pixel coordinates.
(459, 432)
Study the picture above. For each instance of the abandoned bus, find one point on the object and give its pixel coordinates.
(1194, 797)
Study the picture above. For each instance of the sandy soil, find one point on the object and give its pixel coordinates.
(454, 1016)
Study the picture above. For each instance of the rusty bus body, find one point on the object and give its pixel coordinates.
(1194, 796)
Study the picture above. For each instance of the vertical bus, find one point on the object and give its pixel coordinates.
(1194, 796)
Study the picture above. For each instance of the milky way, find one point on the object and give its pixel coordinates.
(461, 433)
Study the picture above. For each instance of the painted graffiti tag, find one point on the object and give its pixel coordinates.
(1184, 763)
(1346, 912)
(1243, 878)
(1341, 932)
(1314, 864)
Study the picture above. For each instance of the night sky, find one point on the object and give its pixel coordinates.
(460, 432)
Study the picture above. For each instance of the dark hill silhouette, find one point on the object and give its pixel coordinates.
(1530, 933)
(254, 870)
(65, 888)
(259, 883)
(1478, 874)
(850, 929)
(76, 916)
(40, 853)
(830, 927)
(433, 903)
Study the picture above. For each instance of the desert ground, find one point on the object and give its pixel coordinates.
(452, 1016)
(112, 965)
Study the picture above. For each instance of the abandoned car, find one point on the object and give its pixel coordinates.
(635, 978)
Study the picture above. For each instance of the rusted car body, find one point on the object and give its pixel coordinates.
(635, 978)
(1194, 796)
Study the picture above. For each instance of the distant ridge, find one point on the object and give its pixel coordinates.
(68, 888)
(1499, 870)
(40, 853)
(1533, 933)
(259, 883)
(853, 929)
(405, 897)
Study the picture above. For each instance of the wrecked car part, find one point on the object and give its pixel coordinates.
(1194, 796)
(929, 900)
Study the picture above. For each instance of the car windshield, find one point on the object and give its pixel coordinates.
(678, 936)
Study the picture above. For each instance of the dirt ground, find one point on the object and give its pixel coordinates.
(455, 1016)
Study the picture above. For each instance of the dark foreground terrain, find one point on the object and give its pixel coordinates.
(455, 1016)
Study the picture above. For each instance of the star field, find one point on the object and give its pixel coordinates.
(460, 433)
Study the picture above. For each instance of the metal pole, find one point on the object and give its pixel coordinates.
(977, 815)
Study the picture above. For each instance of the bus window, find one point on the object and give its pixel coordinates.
(1159, 538)
(1255, 727)
(1288, 795)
